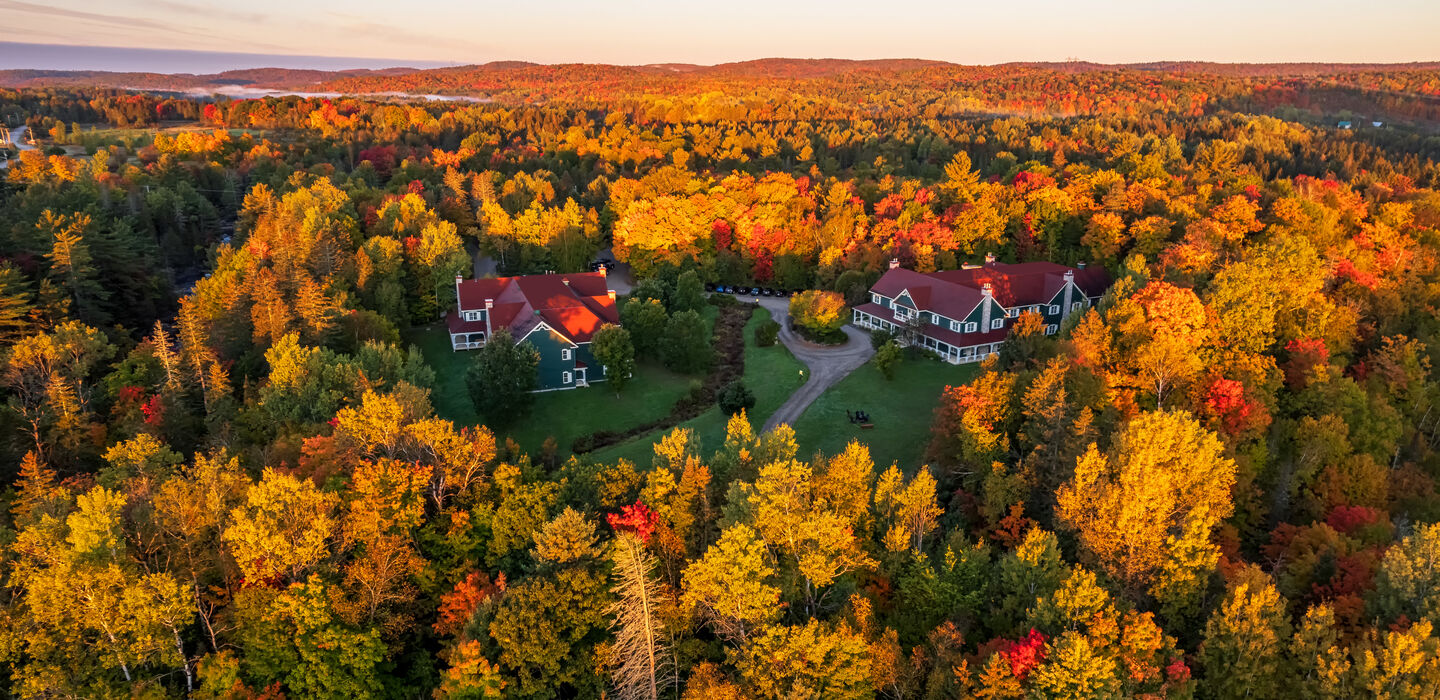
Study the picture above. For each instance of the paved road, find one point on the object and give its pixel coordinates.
(827, 364)
(17, 137)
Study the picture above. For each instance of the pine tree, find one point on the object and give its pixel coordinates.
(72, 267)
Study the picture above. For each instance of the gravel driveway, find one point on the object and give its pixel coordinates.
(827, 364)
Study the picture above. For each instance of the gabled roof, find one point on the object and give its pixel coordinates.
(949, 300)
(954, 293)
(575, 305)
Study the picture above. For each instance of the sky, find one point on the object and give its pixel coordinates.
(660, 31)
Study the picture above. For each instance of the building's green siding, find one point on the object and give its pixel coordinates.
(552, 367)
(905, 300)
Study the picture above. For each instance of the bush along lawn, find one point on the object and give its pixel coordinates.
(900, 409)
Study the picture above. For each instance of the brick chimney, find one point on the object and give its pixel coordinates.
(565, 281)
(894, 263)
(989, 258)
(603, 272)
(611, 292)
(489, 308)
(987, 294)
(459, 306)
(1069, 293)
(1080, 265)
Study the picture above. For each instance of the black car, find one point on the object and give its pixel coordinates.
(709, 286)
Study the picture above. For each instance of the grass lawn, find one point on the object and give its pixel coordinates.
(772, 373)
(901, 410)
(565, 415)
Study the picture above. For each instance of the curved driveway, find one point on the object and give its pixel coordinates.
(827, 364)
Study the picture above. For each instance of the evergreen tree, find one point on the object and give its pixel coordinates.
(501, 377)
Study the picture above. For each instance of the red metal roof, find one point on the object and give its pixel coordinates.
(955, 293)
(574, 304)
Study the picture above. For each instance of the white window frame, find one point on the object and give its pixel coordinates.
(1054, 309)
(971, 327)
(874, 298)
(1052, 329)
(566, 378)
(1075, 306)
(472, 315)
(955, 326)
(997, 324)
(1012, 313)
(566, 354)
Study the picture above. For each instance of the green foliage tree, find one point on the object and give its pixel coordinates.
(501, 377)
(766, 333)
(646, 321)
(689, 293)
(887, 359)
(735, 397)
(687, 343)
(611, 345)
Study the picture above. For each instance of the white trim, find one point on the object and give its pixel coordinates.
(1052, 329)
(546, 326)
(971, 327)
(1054, 309)
(997, 324)
(955, 326)
(567, 354)
(567, 377)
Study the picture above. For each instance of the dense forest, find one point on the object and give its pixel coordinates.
(224, 477)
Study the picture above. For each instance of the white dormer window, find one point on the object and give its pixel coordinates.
(566, 377)
(472, 315)
(971, 327)
(1054, 309)
(875, 298)
(997, 324)
(955, 326)
(1011, 313)
(565, 354)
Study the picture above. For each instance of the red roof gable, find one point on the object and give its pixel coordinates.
(955, 293)
(575, 304)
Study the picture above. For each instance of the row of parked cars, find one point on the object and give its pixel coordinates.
(751, 291)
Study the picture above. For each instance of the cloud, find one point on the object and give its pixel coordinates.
(209, 12)
(350, 26)
(136, 22)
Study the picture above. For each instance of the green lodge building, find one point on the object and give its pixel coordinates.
(964, 315)
(556, 313)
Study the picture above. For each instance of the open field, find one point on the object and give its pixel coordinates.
(900, 409)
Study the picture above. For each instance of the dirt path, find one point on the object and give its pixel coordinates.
(826, 364)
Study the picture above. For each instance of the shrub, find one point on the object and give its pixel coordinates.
(736, 397)
(887, 358)
(819, 315)
(766, 333)
(879, 339)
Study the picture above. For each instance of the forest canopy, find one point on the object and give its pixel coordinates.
(226, 472)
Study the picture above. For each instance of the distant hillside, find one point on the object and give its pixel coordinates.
(249, 77)
(526, 80)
